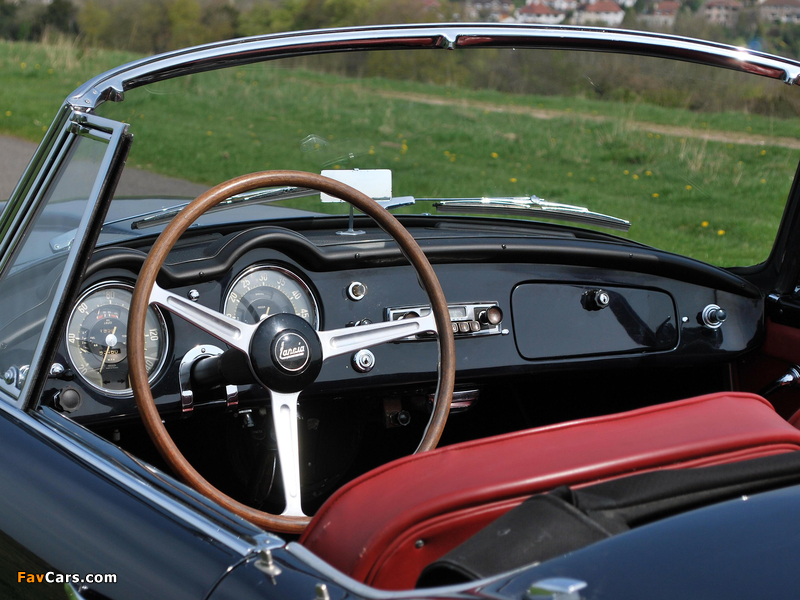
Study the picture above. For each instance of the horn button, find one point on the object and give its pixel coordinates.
(285, 353)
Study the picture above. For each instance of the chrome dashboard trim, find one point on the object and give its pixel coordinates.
(113, 84)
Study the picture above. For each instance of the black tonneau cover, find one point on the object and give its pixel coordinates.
(549, 525)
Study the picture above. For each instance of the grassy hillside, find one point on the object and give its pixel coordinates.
(711, 185)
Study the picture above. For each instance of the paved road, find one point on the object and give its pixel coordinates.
(15, 155)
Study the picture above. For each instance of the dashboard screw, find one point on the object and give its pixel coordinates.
(193, 295)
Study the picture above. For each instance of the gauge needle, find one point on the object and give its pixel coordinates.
(105, 356)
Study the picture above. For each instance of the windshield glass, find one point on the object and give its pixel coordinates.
(27, 288)
(699, 160)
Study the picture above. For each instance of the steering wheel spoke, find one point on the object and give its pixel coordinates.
(232, 332)
(284, 417)
(351, 339)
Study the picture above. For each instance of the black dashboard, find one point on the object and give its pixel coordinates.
(559, 301)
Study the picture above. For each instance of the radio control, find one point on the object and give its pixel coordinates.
(491, 316)
(467, 320)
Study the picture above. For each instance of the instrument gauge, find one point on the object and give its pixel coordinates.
(265, 290)
(97, 338)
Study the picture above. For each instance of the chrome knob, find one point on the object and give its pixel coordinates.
(713, 316)
(491, 316)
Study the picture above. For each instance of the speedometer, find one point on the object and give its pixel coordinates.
(265, 290)
(97, 338)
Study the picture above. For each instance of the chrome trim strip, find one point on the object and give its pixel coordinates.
(113, 84)
(358, 589)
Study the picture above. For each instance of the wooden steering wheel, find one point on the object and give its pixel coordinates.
(284, 353)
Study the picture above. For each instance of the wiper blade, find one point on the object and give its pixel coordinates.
(159, 217)
(154, 218)
(165, 215)
(524, 206)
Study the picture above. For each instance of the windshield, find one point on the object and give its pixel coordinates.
(28, 285)
(699, 160)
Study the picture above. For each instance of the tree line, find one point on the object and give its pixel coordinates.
(152, 26)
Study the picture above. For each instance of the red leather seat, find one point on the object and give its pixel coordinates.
(386, 526)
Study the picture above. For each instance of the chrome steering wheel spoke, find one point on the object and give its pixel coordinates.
(351, 339)
(284, 417)
(234, 333)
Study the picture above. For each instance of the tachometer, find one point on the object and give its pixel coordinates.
(262, 291)
(97, 338)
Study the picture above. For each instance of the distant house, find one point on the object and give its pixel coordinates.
(722, 12)
(539, 13)
(663, 14)
(489, 10)
(780, 11)
(602, 11)
(558, 5)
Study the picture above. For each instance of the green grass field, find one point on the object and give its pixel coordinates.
(718, 199)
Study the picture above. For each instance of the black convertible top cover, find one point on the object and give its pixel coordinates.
(549, 525)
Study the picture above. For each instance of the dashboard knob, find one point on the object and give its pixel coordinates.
(68, 400)
(412, 314)
(401, 418)
(491, 316)
(713, 316)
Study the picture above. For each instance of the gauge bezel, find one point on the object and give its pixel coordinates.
(128, 392)
(281, 269)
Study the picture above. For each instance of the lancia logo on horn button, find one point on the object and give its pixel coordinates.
(291, 352)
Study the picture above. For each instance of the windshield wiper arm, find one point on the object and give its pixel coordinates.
(159, 217)
(154, 218)
(525, 206)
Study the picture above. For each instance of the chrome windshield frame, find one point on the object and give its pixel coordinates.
(24, 205)
(113, 84)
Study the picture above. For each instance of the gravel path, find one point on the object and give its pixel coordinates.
(546, 113)
(15, 155)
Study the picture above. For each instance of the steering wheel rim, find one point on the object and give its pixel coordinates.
(332, 343)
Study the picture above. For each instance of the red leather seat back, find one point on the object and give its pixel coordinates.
(384, 527)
